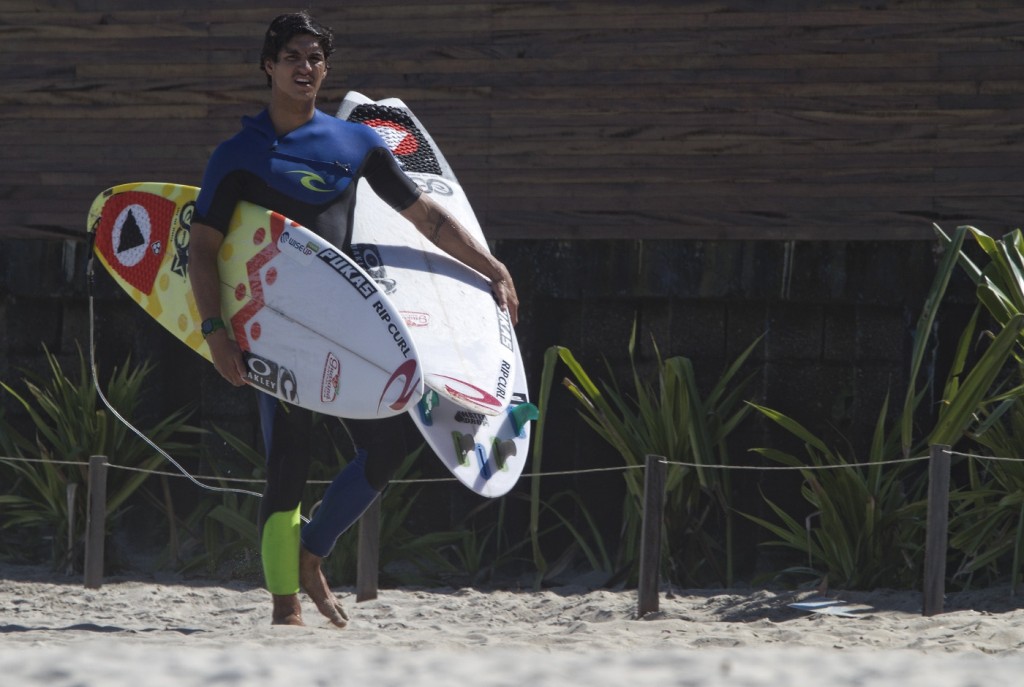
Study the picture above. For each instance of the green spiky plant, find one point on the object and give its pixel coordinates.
(987, 527)
(670, 418)
(70, 426)
(864, 530)
(869, 518)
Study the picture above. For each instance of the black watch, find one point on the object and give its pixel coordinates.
(210, 325)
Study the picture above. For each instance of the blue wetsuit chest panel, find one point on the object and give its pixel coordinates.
(306, 175)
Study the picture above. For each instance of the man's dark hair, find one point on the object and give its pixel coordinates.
(287, 26)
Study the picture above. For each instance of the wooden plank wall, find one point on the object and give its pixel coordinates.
(710, 119)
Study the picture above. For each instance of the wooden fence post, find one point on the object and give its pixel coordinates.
(70, 491)
(650, 538)
(96, 522)
(936, 538)
(368, 558)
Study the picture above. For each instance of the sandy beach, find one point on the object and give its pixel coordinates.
(163, 630)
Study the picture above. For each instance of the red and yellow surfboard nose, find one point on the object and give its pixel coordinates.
(133, 236)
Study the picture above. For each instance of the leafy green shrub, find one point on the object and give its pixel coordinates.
(987, 527)
(869, 529)
(69, 428)
(671, 419)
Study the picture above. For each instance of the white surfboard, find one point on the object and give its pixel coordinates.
(315, 329)
(486, 453)
(466, 343)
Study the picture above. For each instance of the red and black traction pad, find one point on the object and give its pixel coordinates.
(403, 136)
(133, 236)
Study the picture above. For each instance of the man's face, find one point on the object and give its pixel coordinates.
(300, 68)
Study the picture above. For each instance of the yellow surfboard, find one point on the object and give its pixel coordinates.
(314, 328)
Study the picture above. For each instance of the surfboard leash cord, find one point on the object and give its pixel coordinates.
(90, 286)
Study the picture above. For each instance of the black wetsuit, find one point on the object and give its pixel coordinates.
(307, 175)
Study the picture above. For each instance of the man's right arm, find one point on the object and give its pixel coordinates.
(204, 245)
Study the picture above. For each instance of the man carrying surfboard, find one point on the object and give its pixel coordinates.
(303, 164)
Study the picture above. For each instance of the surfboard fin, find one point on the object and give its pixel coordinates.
(465, 444)
(426, 407)
(521, 414)
(503, 450)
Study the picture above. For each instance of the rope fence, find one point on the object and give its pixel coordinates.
(256, 480)
(936, 544)
(553, 473)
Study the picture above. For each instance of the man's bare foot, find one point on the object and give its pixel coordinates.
(287, 610)
(313, 582)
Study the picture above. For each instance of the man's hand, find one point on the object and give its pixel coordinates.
(505, 293)
(204, 244)
(445, 232)
(227, 357)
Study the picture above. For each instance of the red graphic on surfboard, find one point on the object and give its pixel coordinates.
(470, 394)
(416, 319)
(241, 319)
(401, 134)
(133, 236)
(401, 141)
(407, 374)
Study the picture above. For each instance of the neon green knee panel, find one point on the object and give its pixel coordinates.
(279, 551)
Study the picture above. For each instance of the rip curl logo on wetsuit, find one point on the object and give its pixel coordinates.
(311, 179)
